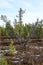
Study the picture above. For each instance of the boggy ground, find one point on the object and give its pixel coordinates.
(31, 54)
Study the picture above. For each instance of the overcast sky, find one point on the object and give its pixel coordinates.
(33, 9)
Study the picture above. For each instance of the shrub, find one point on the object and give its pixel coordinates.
(12, 49)
(3, 61)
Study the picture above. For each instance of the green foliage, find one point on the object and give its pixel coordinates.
(12, 49)
(19, 29)
(34, 30)
(27, 29)
(21, 12)
(3, 61)
(18, 26)
(37, 29)
(4, 18)
(2, 31)
(9, 29)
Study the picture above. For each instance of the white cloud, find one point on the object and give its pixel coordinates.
(33, 13)
(41, 4)
(31, 17)
(5, 4)
(27, 4)
(11, 0)
(10, 16)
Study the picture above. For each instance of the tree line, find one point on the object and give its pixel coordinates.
(19, 29)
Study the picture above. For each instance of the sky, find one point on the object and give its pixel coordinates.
(33, 10)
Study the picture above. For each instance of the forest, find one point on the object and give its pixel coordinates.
(19, 29)
(29, 45)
